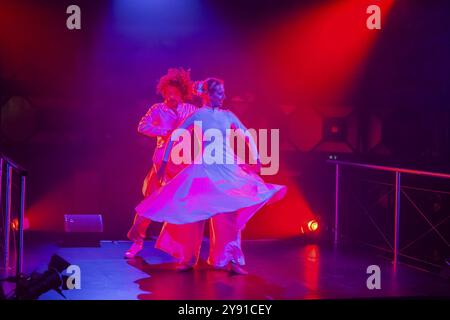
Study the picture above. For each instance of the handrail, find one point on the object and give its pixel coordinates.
(398, 172)
(392, 169)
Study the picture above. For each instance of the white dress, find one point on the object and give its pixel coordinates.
(201, 191)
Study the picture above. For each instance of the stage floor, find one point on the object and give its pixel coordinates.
(278, 269)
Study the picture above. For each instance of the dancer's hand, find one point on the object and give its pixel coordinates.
(161, 172)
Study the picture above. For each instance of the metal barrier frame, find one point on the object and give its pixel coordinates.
(398, 174)
(8, 166)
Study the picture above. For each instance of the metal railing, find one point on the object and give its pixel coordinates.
(398, 175)
(7, 167)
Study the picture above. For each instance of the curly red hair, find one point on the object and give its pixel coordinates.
(178, 78)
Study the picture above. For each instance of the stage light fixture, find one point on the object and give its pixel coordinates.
(33, 286)
(15, 224)
(313, 225)
(310, 227)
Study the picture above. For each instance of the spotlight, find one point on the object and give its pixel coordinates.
(310, 226)
(33, 286)
(15, 224)
(313, 225)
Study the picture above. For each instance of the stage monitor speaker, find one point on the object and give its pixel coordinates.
(82, 230)
(83, 223)
(327, 129)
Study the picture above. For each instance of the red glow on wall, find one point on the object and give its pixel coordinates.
(282, 219)
(77, 194)
(317, 53)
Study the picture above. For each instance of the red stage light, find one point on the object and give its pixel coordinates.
(313, 225)
(310, 226)
(15, 224)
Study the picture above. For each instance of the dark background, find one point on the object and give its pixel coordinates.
(301, 66)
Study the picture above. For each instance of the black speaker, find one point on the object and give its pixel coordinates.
(325, 129)
(82, 230)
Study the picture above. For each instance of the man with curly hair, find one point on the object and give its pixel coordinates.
(159, 121)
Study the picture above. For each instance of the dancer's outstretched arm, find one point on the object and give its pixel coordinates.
(150, 124)
(237, 124)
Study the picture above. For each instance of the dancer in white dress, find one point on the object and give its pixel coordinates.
(226, 193)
